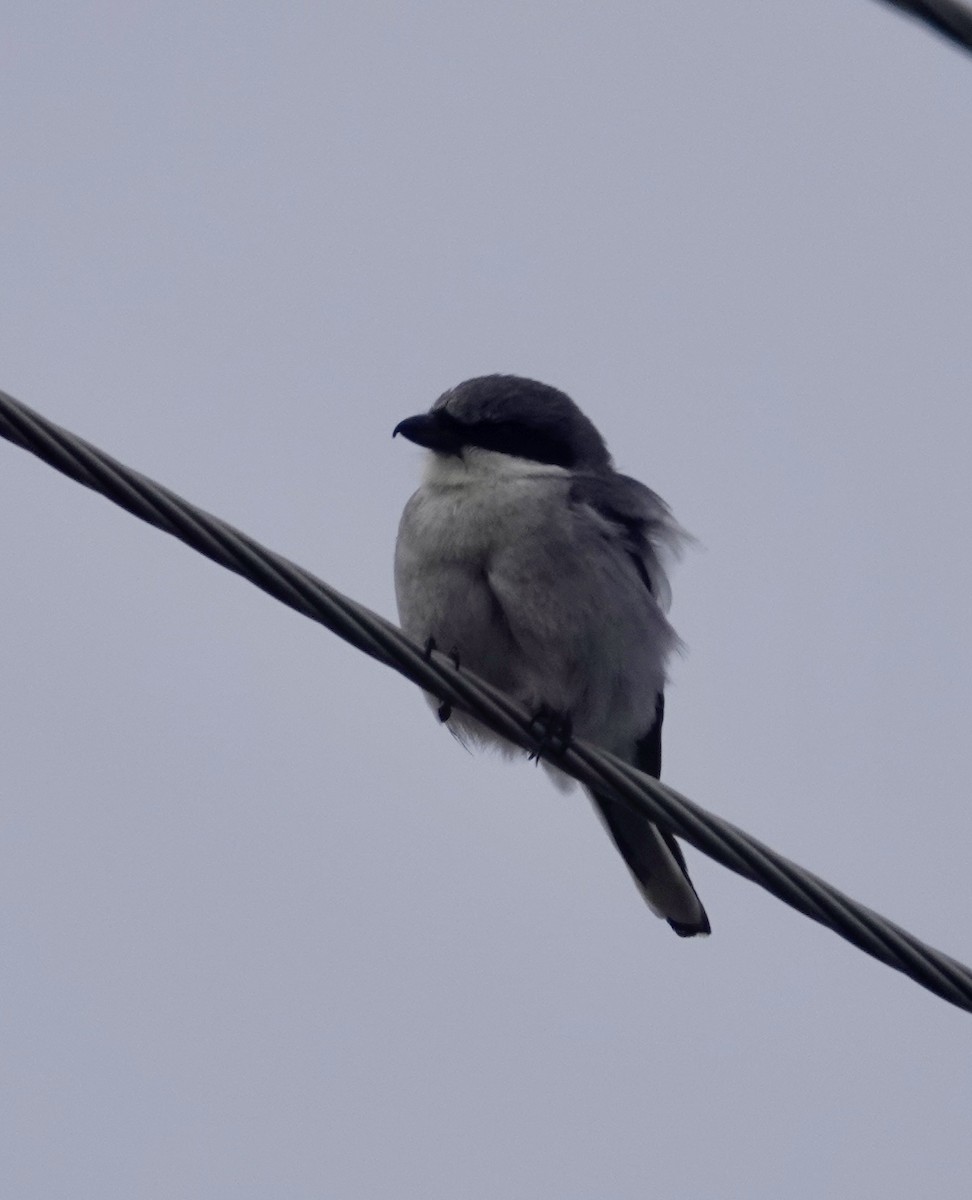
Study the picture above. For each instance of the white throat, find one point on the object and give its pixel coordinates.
(475, 465)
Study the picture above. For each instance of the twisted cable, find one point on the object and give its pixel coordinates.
(435, 673)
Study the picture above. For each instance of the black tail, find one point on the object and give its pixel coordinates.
(656, 861)
(654, 858)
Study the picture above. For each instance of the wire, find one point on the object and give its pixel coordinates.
(950, 18)
(434, 672)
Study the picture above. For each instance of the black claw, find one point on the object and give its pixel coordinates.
(454, 655)
(552, 730)
(429, 647)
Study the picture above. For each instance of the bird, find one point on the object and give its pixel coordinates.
(533, 562)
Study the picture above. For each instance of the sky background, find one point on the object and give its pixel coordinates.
(265, 929)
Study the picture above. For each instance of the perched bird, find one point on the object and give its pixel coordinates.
(526, 555)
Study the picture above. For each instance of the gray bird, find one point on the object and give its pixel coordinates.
(529, 557)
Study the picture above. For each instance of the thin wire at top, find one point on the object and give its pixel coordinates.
(952, 19)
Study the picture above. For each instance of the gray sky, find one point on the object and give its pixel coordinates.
(265, 929)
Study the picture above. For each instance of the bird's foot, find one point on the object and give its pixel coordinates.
(431, 646)
(552, 730)
(444, 711)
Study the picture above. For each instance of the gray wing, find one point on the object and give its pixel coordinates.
(649, 534)
(642, 521)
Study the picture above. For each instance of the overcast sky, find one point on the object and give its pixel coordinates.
(265, 929)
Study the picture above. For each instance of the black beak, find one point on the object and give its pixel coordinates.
(433, 430)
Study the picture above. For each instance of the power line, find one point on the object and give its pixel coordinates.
(435, 673)
(950, 18)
